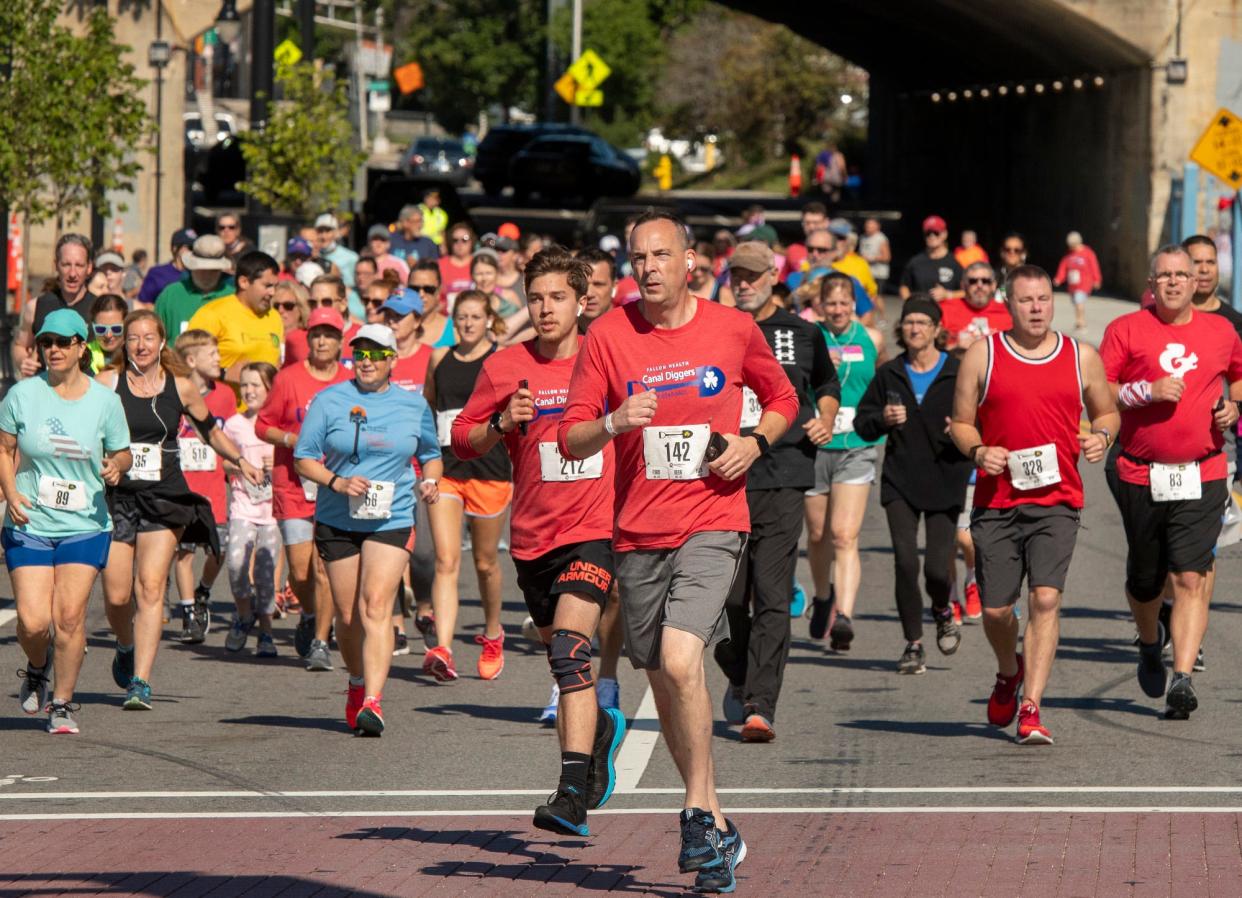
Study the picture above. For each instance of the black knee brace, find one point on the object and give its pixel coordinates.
(569, 656)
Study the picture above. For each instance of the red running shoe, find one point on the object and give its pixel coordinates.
(974, 605)
(492, 659)
(439, 663)
(1030, 730)
(1003, 703)
(957, 612)
(371, 717)
(353, 704)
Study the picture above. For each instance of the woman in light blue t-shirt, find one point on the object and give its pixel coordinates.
(62, 438)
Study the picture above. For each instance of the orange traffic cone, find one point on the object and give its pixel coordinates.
(795, 175)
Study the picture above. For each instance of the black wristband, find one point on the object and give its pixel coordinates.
(762, 441)
(335, 478)
(973, 453)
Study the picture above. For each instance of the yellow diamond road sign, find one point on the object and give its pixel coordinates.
(589, 70)
(589, 98)
(1219, 150)
(566, 87)
(287, 52)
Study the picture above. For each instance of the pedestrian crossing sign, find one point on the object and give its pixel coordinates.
(1219, 149)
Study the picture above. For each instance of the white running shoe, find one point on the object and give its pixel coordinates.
(548, 715)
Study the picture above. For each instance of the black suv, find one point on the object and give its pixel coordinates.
(501, 144)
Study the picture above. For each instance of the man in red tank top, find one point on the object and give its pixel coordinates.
(1166, 365)
(1025, 442)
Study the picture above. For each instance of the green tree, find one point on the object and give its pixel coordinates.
(304, 161)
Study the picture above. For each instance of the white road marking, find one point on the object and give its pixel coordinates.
(6, 615)
(636, 748)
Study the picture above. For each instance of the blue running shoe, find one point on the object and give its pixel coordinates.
(565, 813)
(797, 606)
(700, 841)
(138, 696)
(720, 878)
(123, 666)
(608, 692)
(602, 774)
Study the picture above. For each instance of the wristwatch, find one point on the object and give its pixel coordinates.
(494, 423)
(761, 440)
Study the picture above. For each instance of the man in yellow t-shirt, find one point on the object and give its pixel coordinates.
(848, 261)
(245, 325)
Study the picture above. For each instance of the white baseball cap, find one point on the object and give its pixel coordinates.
(327, 220)
(380, 334)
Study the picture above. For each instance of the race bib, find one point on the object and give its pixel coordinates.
(261, 493)
(444, 425)
(148, 461)
(751, 409)
(556, 468)
(676, 452)
(375, 504)
(62, 495)
(980, 326)
(1073, 276)
(1029, 469)
(310, 489)
(196, 455)
(1173, 483)
(844, 421)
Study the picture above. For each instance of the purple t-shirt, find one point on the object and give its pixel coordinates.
(158, 277)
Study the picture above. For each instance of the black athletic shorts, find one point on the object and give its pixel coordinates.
(1034, 542)
(586, 568)
(1168, 537)
(335, 544)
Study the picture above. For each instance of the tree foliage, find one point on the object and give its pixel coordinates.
(72, 121)
(304, 160)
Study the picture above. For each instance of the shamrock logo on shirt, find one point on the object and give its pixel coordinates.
(710, 380)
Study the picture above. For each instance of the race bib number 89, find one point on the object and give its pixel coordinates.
(62, 495)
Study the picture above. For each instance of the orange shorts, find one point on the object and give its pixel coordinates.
(481, 498)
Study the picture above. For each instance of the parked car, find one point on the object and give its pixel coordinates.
(443, 157)
(502, 143)
(557, 166)
(226, 127)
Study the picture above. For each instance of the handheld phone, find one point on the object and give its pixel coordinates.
(523, 384)
(716, 446)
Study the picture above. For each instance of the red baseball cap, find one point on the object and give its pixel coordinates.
(935, 223)
(328, 317)
(510, 230)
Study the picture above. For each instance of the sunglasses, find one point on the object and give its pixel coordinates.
(227, 227)
(285, 306)
(461, 239)
(320, 303)
(372, 355)
(979, 281)
(58, 342)
(373, 303)
(933, 233)
(104, 330)
(1011, 249)
(819, 249)
(425, 289)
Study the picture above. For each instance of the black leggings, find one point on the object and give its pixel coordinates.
(903, 526)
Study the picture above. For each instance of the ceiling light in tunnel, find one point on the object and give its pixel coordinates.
(967, 94)
(984, 93)
(1003, 90)
(935, 97)
(1039, 88)
(1077, 82)
(1020, 89)
(1058, 85)
(952, 96)
(1098, 80)
(846, 99)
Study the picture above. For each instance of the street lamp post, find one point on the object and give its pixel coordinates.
(262, 48)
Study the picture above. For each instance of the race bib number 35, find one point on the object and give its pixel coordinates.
(676, 452)
(556, 468)
(375, 504)
(62, 495)
(1175, 483)
(1030, 469)
(148, 461)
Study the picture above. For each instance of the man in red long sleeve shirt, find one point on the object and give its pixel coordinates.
(664, 376)
(1079, 273)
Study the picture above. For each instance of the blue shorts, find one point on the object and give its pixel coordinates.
(31, 550)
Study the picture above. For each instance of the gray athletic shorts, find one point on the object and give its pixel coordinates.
(833, 466)
(296, 530)
(1026, 541)
(684, 588)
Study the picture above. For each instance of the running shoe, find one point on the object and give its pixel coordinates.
(123, 666)
(370, 720)
(974, 604)
(720, 878)
(192, 632)
(948, 633)
(913, 660)
(797, 604)
(957, 611)
(426, 624)
(492, 659)
(530, 632)
(821, 612)
(548, 714)
(1166, 619)
(138, 696)
(439, 663)
(266, 647)
(841, 633)
(239, 632)
(1003, 703)
(400, 643)
(1152, 676)
(354, 697)
(757, 728)
(1030, 730)
(608, 694)
(318, 658)
(732, 706)
(700, 841)
(202, 608)
(1200, 665)
(304, 635)
(33, 692)
(60, 720)
(1181, 699)
(565, 813)
(602, 773)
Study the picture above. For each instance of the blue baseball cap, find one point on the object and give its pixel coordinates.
(298, 247)
(184, 237)
(404, 301)
(64, 323)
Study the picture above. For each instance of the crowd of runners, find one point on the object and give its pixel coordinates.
(647, 427)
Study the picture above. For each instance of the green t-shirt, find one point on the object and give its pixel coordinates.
(63, 440)
(854, 356)
(178, 302)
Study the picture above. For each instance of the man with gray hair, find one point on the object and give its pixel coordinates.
(1079, 272)
(407, 239)
(73, 269)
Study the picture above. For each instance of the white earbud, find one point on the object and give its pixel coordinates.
(689, 265)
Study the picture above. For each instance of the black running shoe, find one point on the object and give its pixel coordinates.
(720, 878)
(913, 659)
(1200, 665)
(700, 841)
(1152, 675)
(123, 667)
(821, 613)
(303, 635)
(1181, 699)
(948, 634)
(602, 774)
(841, 634)
(192, 632)
(565, 813)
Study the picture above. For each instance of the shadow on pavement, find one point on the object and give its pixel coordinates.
(297, 723)
(164, 882)
(513, 714)
(953, 729)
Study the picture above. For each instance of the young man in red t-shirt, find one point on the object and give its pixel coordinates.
(561, 524)
(1166, 365)
(1079, 273)
(664, 376)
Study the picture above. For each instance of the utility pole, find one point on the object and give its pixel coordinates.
(262, 50)
(575, 111)
(306, 28)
